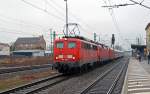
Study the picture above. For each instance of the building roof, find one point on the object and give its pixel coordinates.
(28, 40)
(148, 25)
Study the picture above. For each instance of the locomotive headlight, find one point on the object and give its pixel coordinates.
(60, 56)
(69, 56)
(73, 57)
(56, 57)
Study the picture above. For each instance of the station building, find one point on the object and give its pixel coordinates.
(148, 36)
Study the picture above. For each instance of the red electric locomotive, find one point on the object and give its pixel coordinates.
(73, 54)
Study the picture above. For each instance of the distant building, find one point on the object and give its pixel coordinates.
(30, 43)
(148, 36)
(4, 49)
(29, 46)
(48, 53)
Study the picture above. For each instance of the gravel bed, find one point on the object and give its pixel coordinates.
(35, 87)
(22, 73)
(22, 68)
(78, 83)
(105, 83)
(119, 85)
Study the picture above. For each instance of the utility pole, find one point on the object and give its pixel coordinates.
(66, 17)
(138, 41)
(51, 36)
(54, 35)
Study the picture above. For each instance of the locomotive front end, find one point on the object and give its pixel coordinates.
(66, 55)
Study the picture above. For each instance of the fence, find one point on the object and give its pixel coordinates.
(10, 61)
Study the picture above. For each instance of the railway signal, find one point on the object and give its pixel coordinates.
(113, 40)
(94, 36)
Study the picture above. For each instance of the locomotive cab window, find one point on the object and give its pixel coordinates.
(59, 44)
(71, 45)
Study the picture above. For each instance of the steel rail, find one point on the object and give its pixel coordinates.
(23, 87)
(23, 68)
(98, 79)
(116, 80)
(47, 86)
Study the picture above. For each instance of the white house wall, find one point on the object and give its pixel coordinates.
(38, 53)
(5, 51)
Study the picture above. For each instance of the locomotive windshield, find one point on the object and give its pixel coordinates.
(71, 45)
(60, 45)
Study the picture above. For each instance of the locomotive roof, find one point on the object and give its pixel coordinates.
(85, 39)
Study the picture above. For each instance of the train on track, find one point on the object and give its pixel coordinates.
(75, 54)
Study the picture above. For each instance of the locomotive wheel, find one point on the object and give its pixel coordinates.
(78, 69)
(85, 67)
(60, 70)
(82, 69)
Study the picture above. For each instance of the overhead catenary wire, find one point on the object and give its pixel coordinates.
(116, 5)
(54, 7)
(39, 8)
(44, 10)
(5, 30)
(19, 21)
(140, 4)
(118, 26)
(73, 16)
(63, 8)
(115, 21)
(12, 28)
(6, 22)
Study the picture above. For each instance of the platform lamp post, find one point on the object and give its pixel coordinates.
(66, 17)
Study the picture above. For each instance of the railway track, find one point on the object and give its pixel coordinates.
(37, 85)
(106, 82)
(24, 68)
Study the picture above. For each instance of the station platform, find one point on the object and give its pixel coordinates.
(137, 80)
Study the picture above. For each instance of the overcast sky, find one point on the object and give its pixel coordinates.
(19, 19)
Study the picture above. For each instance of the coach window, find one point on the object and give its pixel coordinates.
(60, 45)
(71, 45)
